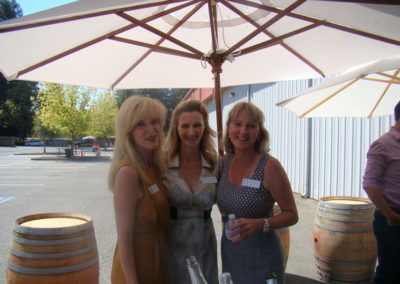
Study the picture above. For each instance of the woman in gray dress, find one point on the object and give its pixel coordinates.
(191, 181)
(250, 184)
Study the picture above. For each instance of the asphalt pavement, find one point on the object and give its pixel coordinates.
(32, 182)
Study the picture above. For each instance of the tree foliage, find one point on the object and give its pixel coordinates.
(9, 9)
(102, 115)
(64, 109)
(16, 115)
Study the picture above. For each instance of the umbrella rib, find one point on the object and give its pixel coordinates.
(276, 18)
(160, 33)
(382, 95)
(72, 50)
(389, 76)
(89, 15)
(278, 39)
(391, 81)
(156, 47)
(326, 23)
(147, 53)
(329, 97)
(96, 40)
(291, 50)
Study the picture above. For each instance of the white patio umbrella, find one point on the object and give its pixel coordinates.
(369, 90)
(122, 44)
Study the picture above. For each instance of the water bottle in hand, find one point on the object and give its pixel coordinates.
(229, 224)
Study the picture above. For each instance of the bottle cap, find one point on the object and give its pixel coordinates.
(231, 216)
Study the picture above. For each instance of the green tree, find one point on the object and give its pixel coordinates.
(102, 116)
(16, 115)
(9, 9)
(44, 132)
(64, 109)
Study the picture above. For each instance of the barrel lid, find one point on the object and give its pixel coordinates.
(52, 224)
(346, 202)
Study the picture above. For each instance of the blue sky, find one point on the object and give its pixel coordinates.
(34, 6)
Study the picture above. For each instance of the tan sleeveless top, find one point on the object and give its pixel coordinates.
(151, 217)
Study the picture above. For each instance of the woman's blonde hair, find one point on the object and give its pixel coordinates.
(262, 142)
(207, 145)
(133, 110)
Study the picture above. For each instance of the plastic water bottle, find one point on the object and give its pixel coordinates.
(229, 224)
(271, 278)
(225, 278)
(196, 276)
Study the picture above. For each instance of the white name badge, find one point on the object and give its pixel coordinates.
(153, 188)
(251, 182)
(208, 180)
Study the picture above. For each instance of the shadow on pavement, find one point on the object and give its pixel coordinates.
(297, 279)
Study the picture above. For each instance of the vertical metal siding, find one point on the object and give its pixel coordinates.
(288, 134)
(338, 145)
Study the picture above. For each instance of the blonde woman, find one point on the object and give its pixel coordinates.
(140, 199)
(191, 181)
(250, 184)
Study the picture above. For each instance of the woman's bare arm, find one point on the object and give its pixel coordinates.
(127, 192)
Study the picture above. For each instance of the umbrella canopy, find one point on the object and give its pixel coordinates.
(119, 44)
(370, 90)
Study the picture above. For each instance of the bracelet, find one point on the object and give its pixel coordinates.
(266, 225)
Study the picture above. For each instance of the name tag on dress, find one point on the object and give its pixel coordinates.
(251, 183)
(153, 188)
(208, 180)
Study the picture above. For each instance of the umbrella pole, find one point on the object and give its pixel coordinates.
(216, 70)
(218, 107)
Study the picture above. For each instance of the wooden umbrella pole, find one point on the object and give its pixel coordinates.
(216, 64)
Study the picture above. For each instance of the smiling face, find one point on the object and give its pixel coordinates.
(146, 134)
(243, 131)
(190, 129)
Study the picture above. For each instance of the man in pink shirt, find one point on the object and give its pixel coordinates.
(381, 182)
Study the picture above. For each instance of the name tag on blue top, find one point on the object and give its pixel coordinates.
(208, 180)
(251, 183)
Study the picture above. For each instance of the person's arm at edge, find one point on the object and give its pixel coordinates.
(380, 203)
(127, 192)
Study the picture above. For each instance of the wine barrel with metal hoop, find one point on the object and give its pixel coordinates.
(343, 240)
(53, 248)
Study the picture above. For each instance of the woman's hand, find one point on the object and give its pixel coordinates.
(247, 228)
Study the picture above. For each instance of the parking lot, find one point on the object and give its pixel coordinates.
(55, 185)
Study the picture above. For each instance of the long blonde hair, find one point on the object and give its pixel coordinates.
(207, 145)
(134, 109)
(262, 142)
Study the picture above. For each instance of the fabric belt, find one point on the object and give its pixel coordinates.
(174, 214)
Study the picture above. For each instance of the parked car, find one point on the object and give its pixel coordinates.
(34, 143)
(85, 142)
(58, 143)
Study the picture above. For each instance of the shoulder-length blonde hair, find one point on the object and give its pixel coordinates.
(262, 142)
(207, 145)
(134, 109)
